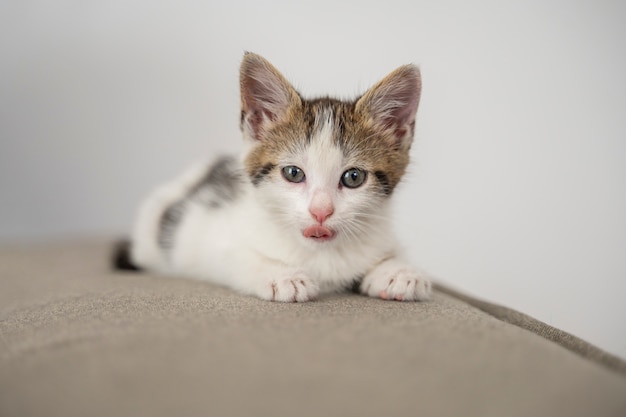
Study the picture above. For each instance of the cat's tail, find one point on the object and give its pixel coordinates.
(121, 259)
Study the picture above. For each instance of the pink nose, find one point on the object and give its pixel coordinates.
(321, 213)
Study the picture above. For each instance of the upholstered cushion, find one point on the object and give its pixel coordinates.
(77, 339)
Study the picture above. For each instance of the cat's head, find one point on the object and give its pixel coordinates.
(326, 168)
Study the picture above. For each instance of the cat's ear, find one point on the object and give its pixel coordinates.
(266, 96)
(391, 105)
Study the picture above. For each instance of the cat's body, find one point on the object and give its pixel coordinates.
(305, 210)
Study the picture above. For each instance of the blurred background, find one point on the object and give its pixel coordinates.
(517, 189)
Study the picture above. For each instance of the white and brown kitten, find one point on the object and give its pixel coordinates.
(305, 209)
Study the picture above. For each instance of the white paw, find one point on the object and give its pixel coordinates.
(392, 280)
(289, 288)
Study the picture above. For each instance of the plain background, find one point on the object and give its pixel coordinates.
(517, 188)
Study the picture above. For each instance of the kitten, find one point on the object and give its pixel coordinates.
(305, 210)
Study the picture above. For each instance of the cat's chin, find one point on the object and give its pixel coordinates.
(318, 233)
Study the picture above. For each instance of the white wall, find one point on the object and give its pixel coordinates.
(517, 192)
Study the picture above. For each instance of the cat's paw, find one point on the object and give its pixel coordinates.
(290, 288)
(393, 280)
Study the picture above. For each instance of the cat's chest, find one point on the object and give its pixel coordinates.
(330, 262)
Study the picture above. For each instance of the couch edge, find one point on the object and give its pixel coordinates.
(524, 321)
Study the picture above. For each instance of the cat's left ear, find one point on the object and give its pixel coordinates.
(266, 96)
(391, 105)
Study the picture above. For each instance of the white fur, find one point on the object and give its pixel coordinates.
(256, 244)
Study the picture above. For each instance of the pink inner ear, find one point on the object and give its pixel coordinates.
(258, 101)
(400, 133)
(393, 102)
(402, 103)
(269, 115)
(257, 109)
(265, 94)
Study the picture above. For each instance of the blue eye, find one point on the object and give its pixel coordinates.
(293, 174)
(353, 178)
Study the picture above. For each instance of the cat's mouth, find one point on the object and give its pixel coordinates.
(318, 232)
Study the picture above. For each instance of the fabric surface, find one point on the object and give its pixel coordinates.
(568, 341)
(77, 339)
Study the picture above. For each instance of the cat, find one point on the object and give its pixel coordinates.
(305, 210)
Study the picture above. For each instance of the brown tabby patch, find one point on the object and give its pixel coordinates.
(375, 149)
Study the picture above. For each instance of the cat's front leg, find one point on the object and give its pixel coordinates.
(286, 285)
(395, 280)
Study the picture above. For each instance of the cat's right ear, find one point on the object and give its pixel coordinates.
(266, 96)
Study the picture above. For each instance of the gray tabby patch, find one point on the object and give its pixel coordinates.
(222, 184)
(170, 219)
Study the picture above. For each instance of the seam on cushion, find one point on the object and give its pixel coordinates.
(526, 322)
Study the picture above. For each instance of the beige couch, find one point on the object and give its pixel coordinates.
(77, 339)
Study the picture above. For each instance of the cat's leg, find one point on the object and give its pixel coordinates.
(395, 280)
(262, 278)
(229, 247)
(269, 279)
(285, 285)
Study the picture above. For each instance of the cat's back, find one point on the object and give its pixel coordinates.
(184, 207)
(219, 184)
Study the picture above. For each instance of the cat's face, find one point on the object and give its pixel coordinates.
(325, 168)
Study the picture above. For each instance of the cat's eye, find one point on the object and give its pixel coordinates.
(293, 174)
(353, 177)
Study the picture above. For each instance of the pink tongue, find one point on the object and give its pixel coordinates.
(317, 232)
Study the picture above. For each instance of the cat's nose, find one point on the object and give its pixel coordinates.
(321, 213)
(321, 206)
